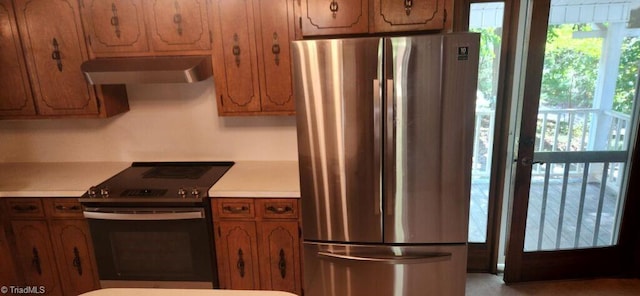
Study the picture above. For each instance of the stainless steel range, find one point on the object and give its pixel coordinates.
(151, 225)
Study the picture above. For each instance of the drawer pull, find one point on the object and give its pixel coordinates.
(22, 208)
(279, 210)
(235, 210)
(68, 209)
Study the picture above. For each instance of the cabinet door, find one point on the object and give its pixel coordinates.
(15, 97)
(334, 17)
(410, 15)
(7, 269)
(74, 254)
(280, 256)
(178, 24)
(235, 62)
(276, 30)
(51, 33)
(35, 255)
(237, 255)
(114, 26)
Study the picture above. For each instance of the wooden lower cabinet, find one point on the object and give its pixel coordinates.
(51, 245)
(258, 244)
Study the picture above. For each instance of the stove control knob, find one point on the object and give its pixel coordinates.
(182, 193)
(92, 191)
(195, 192)
(104, 192)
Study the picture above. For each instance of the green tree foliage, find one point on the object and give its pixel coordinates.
(570, 68)
(627, 76)
(490, 41)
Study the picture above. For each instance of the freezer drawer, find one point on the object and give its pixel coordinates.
(354, 270)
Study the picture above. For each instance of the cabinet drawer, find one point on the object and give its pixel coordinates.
(233, 208)
(63, 208)
(25, 207)
(277, 208)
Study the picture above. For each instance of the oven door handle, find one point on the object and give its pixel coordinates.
(144, 216)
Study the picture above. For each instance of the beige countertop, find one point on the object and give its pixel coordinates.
(53, 179)
(168, 292)
(251, 179)
(255, 179)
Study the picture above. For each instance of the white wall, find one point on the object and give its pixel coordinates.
(166, 122)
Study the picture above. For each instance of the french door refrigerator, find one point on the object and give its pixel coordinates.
(385, 129)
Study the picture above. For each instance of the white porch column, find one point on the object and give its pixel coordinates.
(606, 85)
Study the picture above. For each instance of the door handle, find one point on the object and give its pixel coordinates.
(416, 259)
(527, 161)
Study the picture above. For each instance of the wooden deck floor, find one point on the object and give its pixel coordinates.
(571, 235)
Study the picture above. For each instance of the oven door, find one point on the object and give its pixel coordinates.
(149, 247)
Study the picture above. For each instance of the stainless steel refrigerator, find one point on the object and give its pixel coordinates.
(385, 130)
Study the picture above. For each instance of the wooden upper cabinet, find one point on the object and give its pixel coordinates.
(408, 15)
(342, 17)
(15, 97)
(141, 27)
(276, 31)
(178, 24)
(115, 26)
(334, 17)
(51, 33)
(251, 63)
(235, 61)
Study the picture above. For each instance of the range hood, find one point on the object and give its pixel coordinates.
(177, 69)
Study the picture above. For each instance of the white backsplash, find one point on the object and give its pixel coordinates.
(166, 122)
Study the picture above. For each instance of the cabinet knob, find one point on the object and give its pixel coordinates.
(334, 8)
(35, 262)
(115, 20)
(240, 263)
(55, 55)
(77, 263)
(408, 4)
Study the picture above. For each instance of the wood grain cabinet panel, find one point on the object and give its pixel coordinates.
(280, 256)
(51, 245)
(178, 25)
(74, 255)
(335, 17)
(409, 15)
(237, 255)
(251, 61)
(260, 251)
(43, 46)
(114, 26)
(51, 33)
(35, 255)
(15, 97)
(344, 17)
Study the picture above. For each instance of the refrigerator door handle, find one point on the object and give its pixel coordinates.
(413, 259)
(391, 120)
(377, 137)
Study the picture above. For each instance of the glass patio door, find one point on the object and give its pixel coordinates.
(577, 123)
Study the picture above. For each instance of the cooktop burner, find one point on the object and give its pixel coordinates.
(159, 181)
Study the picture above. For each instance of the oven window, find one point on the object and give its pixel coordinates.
(173, 250)
(151, 253)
